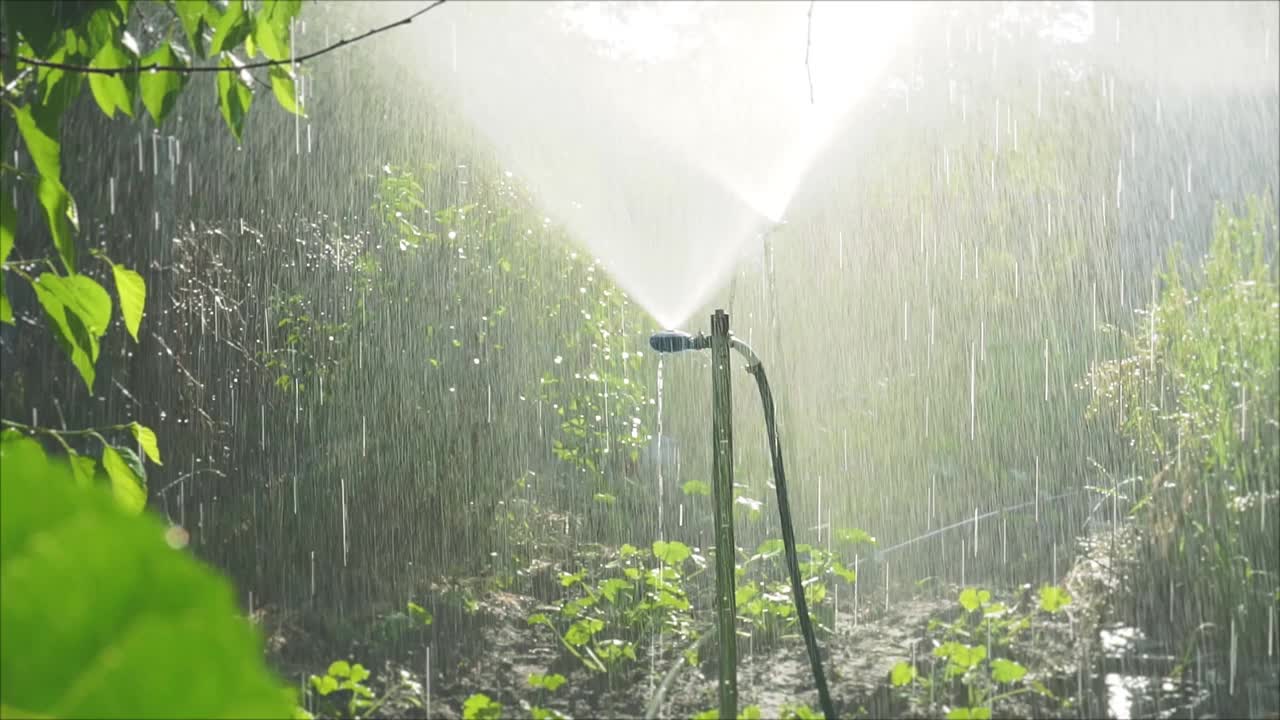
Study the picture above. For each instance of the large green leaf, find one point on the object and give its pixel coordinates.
(110, 91)
(234, 97)
(160, 90)
(132, 290)
(100, 618)
(126, 485)
(80, 310)
(42, 23)
(39, 129)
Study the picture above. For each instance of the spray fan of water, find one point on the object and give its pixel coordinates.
(664, 136)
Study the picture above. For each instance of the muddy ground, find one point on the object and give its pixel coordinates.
(490, 647)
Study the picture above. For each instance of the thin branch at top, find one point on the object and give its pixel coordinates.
(215, 68)
(808, 42)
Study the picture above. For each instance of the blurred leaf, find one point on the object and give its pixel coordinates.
(902, 674)
(671, 553)
(420, 613)
(340, 668)
(100, 618)
(696, 487)
(481, 707)
(80, 310)
(855, 536)
(1006, 671)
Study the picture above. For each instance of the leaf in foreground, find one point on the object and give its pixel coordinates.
(100, 618)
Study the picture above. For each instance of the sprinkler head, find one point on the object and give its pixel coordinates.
(670, 341)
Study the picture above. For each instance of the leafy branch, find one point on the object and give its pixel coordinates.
(137, 68)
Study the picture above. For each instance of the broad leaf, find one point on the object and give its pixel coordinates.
(110, 91)
(234, 98)
(191, 14)
(79, 310)
(671, 553)
(1006, 671)
(160, 90)
(231, 29)
(283, 87)
(126, 485)
(146, 438)
(132, 290)
(99, 617)
(39, 129)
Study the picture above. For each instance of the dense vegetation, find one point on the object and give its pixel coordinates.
(384, 384)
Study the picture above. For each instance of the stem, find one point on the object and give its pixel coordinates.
(94, 432)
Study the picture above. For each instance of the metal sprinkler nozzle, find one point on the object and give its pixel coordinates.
(672, 341)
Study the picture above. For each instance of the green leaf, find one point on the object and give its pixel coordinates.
(547, 682)
(1006, 671)
(40, 130)
(971, 599)
(160, 89)
(671, 553)
(8, 226)
(324, 684)
(80, 310)
(604, 498)
(283, 88)
(99, 617)
(481, 707)
(231, 29)
(855, 536)
(146, 437)
(712, 714)
(339, 668)
(902, 674)
(127, 486)
(234, 98)
(267, 36)
(696, 487)
(191, 14)
(1053, 598)
(769, 547)
(132, 290)
(420, 613)
(582, 631)
(750, 712)
(83, 469)
(358, 673)
(110, 91)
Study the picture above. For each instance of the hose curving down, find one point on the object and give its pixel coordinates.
(756, 368)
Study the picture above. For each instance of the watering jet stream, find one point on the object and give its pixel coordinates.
(719, 342)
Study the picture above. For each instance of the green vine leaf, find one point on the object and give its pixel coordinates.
(1053, 598)
(40, 134)
(132, 290)
(902, 674)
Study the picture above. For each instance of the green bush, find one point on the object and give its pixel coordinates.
(1197, 396)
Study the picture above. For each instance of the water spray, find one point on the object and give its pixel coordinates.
(719, 342)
